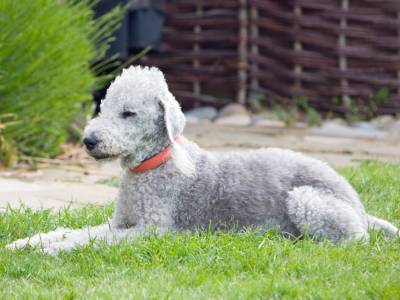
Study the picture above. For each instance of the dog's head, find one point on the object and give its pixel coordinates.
(139, 117)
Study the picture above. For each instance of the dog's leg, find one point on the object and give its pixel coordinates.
(323, 216)
(54, 241)
(40, 239)
(92, 235)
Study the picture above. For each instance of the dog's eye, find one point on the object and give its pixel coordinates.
(127, 114)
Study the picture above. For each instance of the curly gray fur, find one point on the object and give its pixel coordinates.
(262, 188)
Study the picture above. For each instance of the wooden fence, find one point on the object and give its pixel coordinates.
(342, 55)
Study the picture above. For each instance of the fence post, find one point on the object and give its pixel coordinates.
(342, 57)
(398, 53)
(243, 54)
(196, 50)
(298, 48)
(254, 47)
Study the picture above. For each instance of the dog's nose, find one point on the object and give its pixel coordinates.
(90, 142)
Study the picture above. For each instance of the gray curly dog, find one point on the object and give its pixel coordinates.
(169, 183)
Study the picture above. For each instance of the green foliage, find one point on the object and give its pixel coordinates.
(313, 117)
(47, 48)
(8, 153)
(285, 114)
(381, 96)
(288, 114)
(355, 112)
(207, 265)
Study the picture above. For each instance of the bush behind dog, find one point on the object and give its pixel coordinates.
(46, 52)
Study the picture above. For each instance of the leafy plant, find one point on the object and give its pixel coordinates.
(355, 112)
(8, 153)
(285, 114)
(381, 96)
(50, 52)
(288, 114)
(313, 117)
(260, 103)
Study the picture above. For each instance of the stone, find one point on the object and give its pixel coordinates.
(335, 128)
(301, 125)
(51, 194)
(383, 122)
(235, 120)
(233, 109)
(266, 120)
(394, 129)
(269, 123)
(364, 125)
(202, 113)
(337, 121)
(234, 114)
(191, 119)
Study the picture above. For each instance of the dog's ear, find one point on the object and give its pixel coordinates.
(174, 122)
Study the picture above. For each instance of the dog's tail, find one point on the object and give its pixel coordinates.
(379, 224)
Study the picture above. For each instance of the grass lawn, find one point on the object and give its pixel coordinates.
(209, 265)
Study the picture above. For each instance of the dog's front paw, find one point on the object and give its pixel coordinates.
(41, 240)
(18, 244)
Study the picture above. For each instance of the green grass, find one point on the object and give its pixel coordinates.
(209, 265)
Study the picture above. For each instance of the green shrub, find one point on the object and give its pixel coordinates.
(47, 48)
(8, 153)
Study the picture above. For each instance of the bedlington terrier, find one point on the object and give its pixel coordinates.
(171, 184)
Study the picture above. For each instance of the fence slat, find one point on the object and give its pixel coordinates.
(342, 57)
(298, 48)
(242, 55)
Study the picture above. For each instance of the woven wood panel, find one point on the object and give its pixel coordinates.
(337, 53)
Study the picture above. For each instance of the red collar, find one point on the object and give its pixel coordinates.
(156, 160)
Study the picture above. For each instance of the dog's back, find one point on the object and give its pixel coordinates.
(250, 188)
